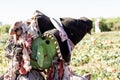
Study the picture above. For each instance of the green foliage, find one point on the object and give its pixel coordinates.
(3, 61)
(103, 25)
(113, 23)
(98, 54)
(4, 28)
(108, 24)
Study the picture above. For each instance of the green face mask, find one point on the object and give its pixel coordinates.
(44, 49)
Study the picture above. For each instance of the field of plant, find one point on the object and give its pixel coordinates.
(98, 54)
(3, 61)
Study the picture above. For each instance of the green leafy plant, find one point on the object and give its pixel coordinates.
(98, 54)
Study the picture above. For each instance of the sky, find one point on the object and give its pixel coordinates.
(16, 10)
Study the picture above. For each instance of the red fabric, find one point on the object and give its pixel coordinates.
(61, 70)
(50, 72)
(22, 69)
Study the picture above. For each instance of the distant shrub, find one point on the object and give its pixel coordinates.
(103, 25)
(4, 28)
(108, 24)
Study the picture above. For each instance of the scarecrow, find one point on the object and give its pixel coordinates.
(42, 49)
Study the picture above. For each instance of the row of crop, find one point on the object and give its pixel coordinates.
(99, 56)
